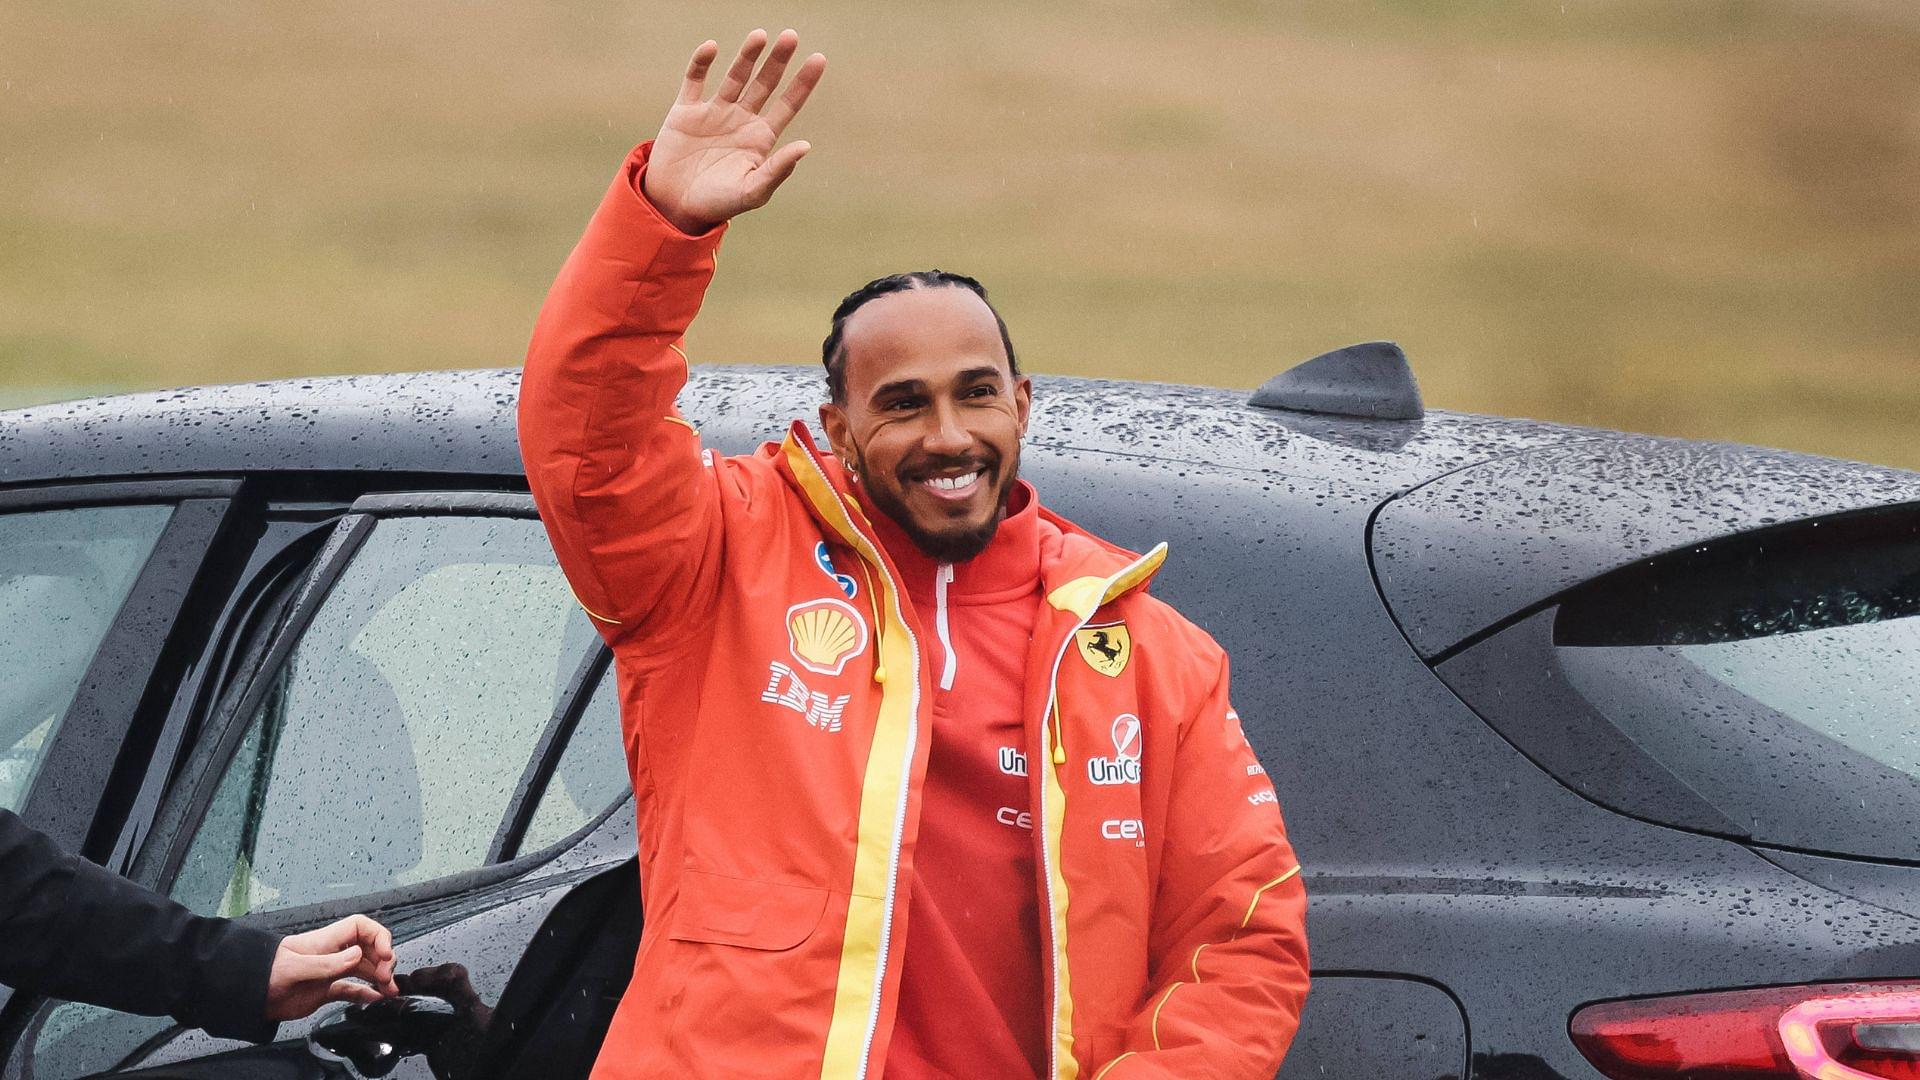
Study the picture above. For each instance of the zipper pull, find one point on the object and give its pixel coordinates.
(1059, 744)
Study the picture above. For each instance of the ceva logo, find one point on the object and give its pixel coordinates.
(1124, 766)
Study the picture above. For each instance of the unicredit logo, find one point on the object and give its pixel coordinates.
(1124, 766)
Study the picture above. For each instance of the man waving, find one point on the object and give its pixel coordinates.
(927, 784)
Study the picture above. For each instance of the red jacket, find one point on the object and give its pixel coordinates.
(775, 731)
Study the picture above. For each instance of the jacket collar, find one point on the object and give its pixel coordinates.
(1010, 565)
(1078, 570)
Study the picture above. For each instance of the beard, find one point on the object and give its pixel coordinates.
(955, 544)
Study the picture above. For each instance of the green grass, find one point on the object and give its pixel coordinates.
(1691, 218)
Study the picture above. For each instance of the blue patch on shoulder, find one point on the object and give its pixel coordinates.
(846, 583)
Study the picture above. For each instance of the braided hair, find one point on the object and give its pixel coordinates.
(833, 353)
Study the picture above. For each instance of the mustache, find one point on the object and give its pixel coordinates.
(925, 467)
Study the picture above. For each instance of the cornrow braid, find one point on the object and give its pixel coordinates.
(833, 354)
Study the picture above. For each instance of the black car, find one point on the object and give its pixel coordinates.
(1601, 750)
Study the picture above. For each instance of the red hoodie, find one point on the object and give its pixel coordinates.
(971, 1000)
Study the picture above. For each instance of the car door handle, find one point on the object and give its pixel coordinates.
(374, 1038)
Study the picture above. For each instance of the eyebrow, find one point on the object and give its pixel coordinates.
(919, 386)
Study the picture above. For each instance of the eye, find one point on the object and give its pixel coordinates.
(984, 390)
(901, 404)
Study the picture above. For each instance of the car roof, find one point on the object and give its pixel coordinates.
(463, 422)
(1480, 547)
(1483, 517)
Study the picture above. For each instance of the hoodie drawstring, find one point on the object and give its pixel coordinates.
(879, 626)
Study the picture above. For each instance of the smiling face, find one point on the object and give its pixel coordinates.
(933, 416)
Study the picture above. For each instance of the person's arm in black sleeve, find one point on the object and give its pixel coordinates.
(70, 929)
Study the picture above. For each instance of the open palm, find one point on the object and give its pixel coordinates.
(716, 158)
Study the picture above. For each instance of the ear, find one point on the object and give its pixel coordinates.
(833, 421)
(1023, 401)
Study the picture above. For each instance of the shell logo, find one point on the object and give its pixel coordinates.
(824, 634)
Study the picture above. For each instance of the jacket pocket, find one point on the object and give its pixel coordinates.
(716, 909)
(759, 961)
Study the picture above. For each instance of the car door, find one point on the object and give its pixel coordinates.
(93, 578)
(429, 734)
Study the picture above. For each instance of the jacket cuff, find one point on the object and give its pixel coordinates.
(635, 172)
(235, 963)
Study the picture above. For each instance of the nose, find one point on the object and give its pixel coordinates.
(947, 435)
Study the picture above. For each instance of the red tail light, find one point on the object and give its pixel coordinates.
(1850, 1031)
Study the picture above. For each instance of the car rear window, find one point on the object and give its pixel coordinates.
(1775, 675)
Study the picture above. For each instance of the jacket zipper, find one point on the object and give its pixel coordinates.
(942, 577)
(1058, 754)
(899, 818)
(894, 593)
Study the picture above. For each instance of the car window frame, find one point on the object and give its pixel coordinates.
(94, 745)
(545, 760)
(241, 617)
(226, 726)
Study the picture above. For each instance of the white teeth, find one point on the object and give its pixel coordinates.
(952, 483)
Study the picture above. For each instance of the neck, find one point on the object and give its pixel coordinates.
(1010, 561)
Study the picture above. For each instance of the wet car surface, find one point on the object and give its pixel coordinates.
(1552, 711)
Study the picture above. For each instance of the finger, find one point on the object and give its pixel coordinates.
(329, 966)
(385, 984)
(775, 170)
(371, 970)
(781, 113)
(375, 938)
(354, 929)
(765, 83)
(742, 68)
(326, 939)
(695, 84)
(347, 990)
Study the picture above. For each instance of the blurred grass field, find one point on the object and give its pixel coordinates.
(1699, 218)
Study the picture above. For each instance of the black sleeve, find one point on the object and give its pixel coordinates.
(70, 929)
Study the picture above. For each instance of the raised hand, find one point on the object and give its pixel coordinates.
(715, 159)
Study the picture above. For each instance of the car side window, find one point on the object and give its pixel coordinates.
(390, 742)
(63, 576)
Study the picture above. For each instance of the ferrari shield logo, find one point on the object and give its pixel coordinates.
(1105, 648)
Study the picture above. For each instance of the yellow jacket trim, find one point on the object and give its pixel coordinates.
(1084, 595)
(1164, 998)
(1261, 891)
(856, 1005)
(1055, 799)
(592, 614)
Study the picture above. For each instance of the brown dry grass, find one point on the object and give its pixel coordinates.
(1693, 218)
